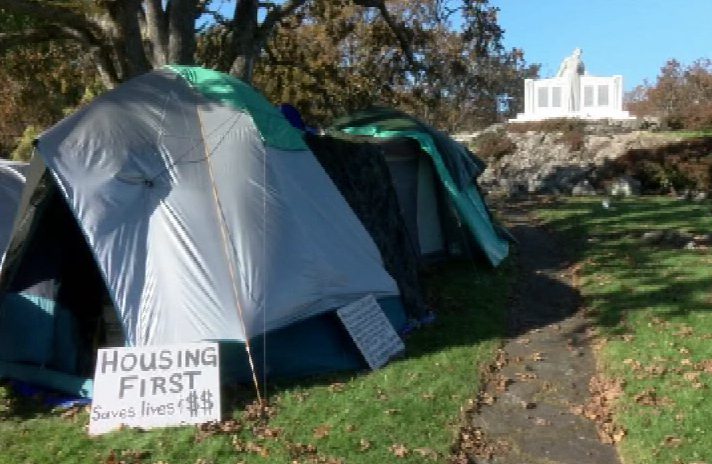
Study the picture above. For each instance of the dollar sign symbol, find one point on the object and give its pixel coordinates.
(207, 399)
(192, 400)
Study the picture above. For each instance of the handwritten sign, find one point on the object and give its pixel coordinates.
(155, 386)
(371, 331)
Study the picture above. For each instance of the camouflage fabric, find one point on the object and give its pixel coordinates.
(359, 170)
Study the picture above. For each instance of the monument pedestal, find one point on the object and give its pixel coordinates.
(573, 94)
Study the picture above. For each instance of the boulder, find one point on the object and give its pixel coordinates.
(624, 186)
(583, 188)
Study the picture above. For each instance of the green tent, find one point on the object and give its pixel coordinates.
(454, 168)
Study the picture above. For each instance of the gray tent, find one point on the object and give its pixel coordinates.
(200, 213)
(12, 180)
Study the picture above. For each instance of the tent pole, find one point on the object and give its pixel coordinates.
(230, 263)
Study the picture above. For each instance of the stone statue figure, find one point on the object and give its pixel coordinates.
(571, 70)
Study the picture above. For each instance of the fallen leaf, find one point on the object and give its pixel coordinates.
(264, 432)
(297, 450)
(501, 383)
(486, 398)
(672, 441)
(537, 356)
(685, 331)
(706, 366)
(500, 359)
(322, 431)
(364, 445)
(656, 370)
(426, 453)
(252, 447)
(336, 387)
(525, 376)
(541, 421)
(399, 450)
(528, 404)
(646, 397)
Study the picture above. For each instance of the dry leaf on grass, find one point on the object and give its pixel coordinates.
(426, 453)
(399, 450)
(265, 432)
(257, 411)
(337, 387)
(472, 443)
(298, 450)
(647, 397)
(672, 441)
(604, 392)
(364, 445)
(322, 431)
(209, 429)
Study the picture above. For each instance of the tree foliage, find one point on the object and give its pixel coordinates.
(333, 58)
(40, 82)
(129, 37)
(681, 96)
(442, 60)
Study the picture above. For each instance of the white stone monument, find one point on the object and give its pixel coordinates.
(573, 93)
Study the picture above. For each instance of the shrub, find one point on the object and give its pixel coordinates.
(669, 168)
(494, 145)
(25, 143)
(572, 131)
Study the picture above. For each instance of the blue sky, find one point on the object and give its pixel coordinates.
(630, 37)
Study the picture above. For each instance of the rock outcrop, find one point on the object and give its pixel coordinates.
(559, 163)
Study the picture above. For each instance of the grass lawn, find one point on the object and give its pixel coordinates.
(652, 301)
(409, 410)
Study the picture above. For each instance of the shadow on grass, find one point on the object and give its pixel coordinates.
(24, 406)
(470, 304)
(634, 274)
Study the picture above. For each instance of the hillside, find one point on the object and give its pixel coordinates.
(572, 157)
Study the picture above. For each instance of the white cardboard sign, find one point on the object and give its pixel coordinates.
(371, 330)
(155, 386)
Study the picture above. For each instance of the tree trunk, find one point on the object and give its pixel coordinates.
(244, 34)
(157, 32)
(181, 30)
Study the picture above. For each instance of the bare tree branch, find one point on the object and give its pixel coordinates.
(276, 14)
(397, 29)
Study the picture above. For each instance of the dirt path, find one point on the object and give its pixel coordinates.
(527, 413)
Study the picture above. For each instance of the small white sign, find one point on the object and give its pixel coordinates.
(155, 386)
(370, 328)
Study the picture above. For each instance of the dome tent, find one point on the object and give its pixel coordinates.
(12, 179)
(186, 203)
